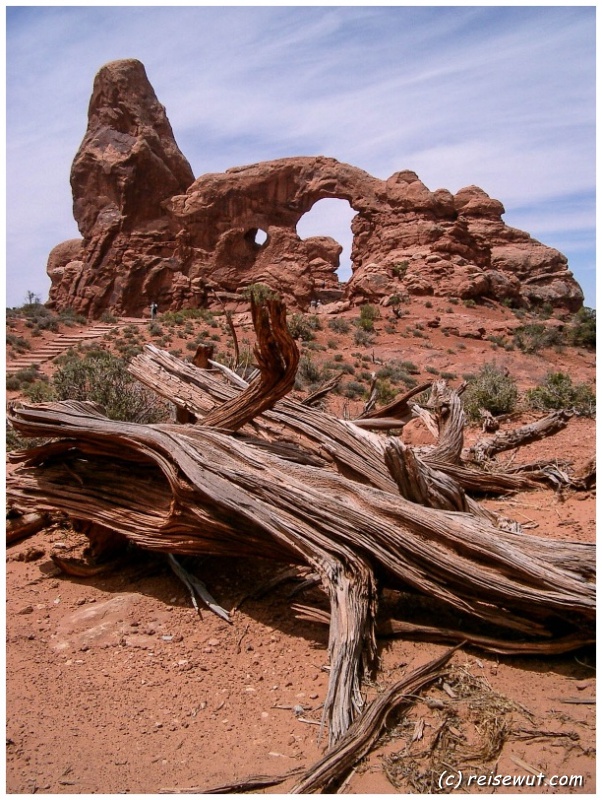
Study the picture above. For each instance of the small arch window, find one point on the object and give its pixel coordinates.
(256, 236)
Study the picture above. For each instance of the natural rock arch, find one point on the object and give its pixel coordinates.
(150, 231)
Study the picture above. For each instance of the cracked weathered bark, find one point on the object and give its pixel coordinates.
(295, 484)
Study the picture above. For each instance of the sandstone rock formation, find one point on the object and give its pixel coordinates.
(152, 232)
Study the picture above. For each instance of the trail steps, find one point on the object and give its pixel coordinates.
(65, 341)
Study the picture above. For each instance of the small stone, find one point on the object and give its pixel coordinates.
(213, 642)
(313, 696)
(581, 685)
(25, 610)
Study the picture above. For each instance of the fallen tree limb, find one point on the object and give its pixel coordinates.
(22, 526)
(508, 440)
(258, 474)
(360, 738)
(277, 356)
(393, 628)
(250, 784)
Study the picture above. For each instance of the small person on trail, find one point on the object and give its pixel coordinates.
(153, 310)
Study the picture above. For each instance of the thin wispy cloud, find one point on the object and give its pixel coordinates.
(499, 97)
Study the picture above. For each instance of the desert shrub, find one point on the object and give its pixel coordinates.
(108, 318)
(449, 376)
(363, 337)
(385, 392)
(536, 336)
(36, 315)
(396, 373)
(410, 367)
(184, 315)
(582, 332)
(70, 317)
(368, 313)
(18, 343)
(431, 370)
(491, 389)
(259, 292)
(338, 365)
(40, 391)
(400, 269)
(302, 326)
(557, 391)
(339, 325)
(308, 372)
(353, 390)
(101, 377)
(20, 379)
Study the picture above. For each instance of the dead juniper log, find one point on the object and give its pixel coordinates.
(508, 440)
(361, 737)
(349, 448)
(314, 490)
(23, 525)
(196, 490)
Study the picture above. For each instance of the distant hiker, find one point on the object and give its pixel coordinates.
(153, 308)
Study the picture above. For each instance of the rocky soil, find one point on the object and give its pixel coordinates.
(115, 685)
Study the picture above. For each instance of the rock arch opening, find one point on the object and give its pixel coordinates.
(256, 236)
(331, 217)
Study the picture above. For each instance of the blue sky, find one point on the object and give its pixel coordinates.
(501, 97)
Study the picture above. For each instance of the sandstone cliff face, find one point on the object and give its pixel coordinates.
(152, 232)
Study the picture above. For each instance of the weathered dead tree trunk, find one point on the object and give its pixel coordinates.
(278, 358)
(261, 475)
(508, 440)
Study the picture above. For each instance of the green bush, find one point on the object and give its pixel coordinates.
(18, 380)
(536, 336)
(70, 317)
(101, 377)
(18, 343)
(302, 326)
(559, 392)
(385, 392)
(259, 292)
(363, 337)
(582, 332)
(308, 372)
(184, 315)
(39, 391)
(354, 390)
(339, 325)
(491, 389)
(368, 313)
(400, 269)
